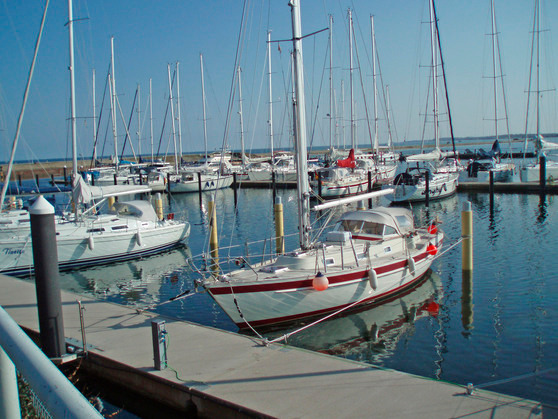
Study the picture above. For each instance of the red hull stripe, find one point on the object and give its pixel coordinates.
(375, 299)
(307, 283)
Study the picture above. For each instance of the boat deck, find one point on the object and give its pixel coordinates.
(215, 373)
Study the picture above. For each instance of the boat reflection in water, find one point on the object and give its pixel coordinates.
(134, 282)
(372, 334)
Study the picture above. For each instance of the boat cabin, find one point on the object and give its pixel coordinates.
(376, 224)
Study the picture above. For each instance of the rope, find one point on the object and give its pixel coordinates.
(180, 296)
(242, 314)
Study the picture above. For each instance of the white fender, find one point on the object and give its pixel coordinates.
(91, 243)
(138, 238)
(411, 264)
(373, 278)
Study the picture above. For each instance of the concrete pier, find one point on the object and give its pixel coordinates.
(214, 373)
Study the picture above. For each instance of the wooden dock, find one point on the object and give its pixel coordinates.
(214, 373)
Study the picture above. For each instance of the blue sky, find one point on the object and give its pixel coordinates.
(149, 35)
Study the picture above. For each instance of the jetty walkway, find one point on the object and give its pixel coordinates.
(214, 373)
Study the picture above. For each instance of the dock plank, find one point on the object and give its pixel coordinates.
(226, 373)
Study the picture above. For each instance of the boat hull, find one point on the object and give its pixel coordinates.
(441, 186)
(272, 303)
(207, 184)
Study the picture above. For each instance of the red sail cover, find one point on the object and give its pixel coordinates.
(349, 161)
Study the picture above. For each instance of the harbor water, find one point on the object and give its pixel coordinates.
(495, 328)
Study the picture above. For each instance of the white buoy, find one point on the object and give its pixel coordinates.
(373, 278)
(91, 243)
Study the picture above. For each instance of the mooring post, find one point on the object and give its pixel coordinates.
(369, 188)
(65, 175)
(491, 189)
(115, 179)
(213, 237)
(159, 205)
(235, 187)
(273, 184)
(279, 226)
(168, 183)
(467, 301)
(319, 183)
(200, 187)
(9, 396)
(427, 189)
(467, 235)
(542, 172)
(45, 260)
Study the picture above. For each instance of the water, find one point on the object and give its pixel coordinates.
(501, 323)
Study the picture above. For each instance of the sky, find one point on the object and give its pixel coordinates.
(149, 36)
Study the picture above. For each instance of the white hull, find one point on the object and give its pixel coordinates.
(351, 185)
(95, 240)
(532, 173)
(441, 186)
(265, 176)
(208, 183)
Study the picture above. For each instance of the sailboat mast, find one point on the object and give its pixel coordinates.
(172, 120)
(139, 120)
(376, 141)
(94, 121)
(113, 104)
(72, 92)
(434, 74)
(178, 112)
(330, 81)
(151, 117)
(303, 188)
(270, 109)
(538, 32)
(203, 109)
(351, 78)
(494, 69)
(240, 115)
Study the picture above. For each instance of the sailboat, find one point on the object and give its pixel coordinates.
(531, 172)
(130, 230)
(480, 169)
(210, 174)
(429, 172)
(369, 256)
(347, 176)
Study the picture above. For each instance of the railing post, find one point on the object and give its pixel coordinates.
(9, 395)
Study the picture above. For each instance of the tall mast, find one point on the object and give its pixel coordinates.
(538, 32)
(301, 155)
(113, 103)
(139, 121)
(72, 92)
(494, 69)
(94, 122)
(240, 115)
(390, 139)
(343, 111)
(178, 112)
(434, 74)
(151, 117)
(203, 109)
(172, 120)
(376, 141)
(270, 109)
(330, 81)
(351, 78)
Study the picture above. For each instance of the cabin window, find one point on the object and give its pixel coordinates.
(389, 231)
(330, 261)
(95, 230)
(354, 226)
(119, 227)
(373, 228)
(404, 222)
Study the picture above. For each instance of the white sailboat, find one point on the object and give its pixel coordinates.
(370, 256)
(210, 174)
(531, 172)
(479, 170)
(130, 230)
(431, 171)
